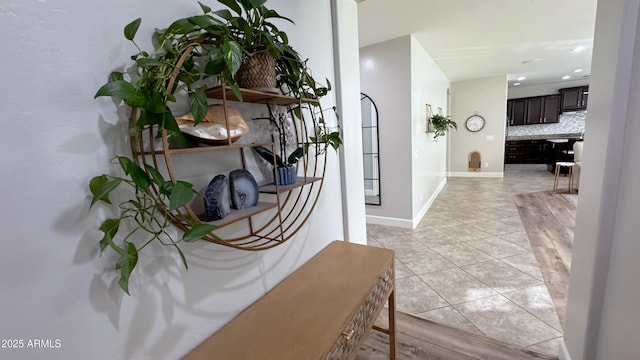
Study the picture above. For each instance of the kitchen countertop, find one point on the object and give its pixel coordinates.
(545, 136)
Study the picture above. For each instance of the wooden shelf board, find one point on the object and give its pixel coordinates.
(237, 215)
(271, 188)
(205, 148)
(253, 96)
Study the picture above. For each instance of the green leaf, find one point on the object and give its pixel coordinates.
(273, 14)
(181, 194)
(101, 187)
(156, 177)
(170, 124)
(198, 104)
(146, 63)
(334, 140)
(118, 88)
(297, 111)
(215, 67)
(197, 232)
(232, 4)
(132, 28)
(268, 155)
(154, 102)
(116, 75)
(257, 3)
(165, 188)
(182, 26)
(295, 155)
(139, 177)
(135, 172)
(232, 56)
(126, 263)
(204, 7)
(204, 21)
(224, 13)
(235, 88)
(110, 228)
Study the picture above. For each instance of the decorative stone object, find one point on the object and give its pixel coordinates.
(216, 198)
(244, 189)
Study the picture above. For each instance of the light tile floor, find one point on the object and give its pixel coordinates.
(469, 263)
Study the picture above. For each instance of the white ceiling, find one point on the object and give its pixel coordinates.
(480, 38)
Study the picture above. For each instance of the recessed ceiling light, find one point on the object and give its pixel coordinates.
(578, 49)
(578, 70)
(516, 84)
(566, 77)
(521, 78)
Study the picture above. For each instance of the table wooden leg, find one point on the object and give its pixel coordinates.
(392, 317)
(571, 180)
(392, 324)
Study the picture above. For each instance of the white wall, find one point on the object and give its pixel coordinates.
(401, 78)
(347, 88)
(486, 97)
(602, 315)
(56, 137)
(544, 89)
(385, 75)
(428, 86)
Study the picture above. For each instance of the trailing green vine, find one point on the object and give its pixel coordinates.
(144, 211)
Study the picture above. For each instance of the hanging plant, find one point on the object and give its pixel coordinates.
(441, 124)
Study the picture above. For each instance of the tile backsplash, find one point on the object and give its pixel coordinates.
(570, 123)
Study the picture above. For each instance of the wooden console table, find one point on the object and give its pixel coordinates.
(324, 310)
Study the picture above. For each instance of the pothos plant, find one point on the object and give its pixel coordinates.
(148, 89)
(187, 53)
(144, 212)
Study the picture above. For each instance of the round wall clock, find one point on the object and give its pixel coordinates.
(475, 123)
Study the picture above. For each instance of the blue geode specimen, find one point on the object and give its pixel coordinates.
(216, 198)
(244, 189)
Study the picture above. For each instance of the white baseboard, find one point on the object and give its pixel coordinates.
(564, 352)
(428, 204)
(406, 223)
(387, 221)
(476, 174)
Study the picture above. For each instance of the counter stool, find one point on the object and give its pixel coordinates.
(560, 165)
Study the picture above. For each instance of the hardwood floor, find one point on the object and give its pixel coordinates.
(549, 220)
(421, 339)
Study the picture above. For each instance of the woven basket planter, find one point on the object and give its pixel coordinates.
(258, 72)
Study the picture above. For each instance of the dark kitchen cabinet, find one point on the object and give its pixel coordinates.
(574, 98)
(551, 109)
(536, 152)
(526, 152)
(515, 152)
(518, 112)
(534, 110)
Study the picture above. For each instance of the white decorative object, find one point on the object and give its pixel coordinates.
(212, 129)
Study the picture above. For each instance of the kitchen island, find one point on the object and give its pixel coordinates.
(540, 149)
